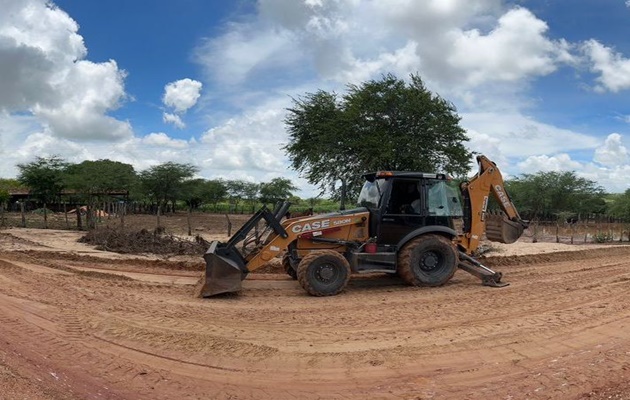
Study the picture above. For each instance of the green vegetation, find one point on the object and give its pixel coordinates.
(45, 179)
(556, 195)
(379, 125)
(160, 189)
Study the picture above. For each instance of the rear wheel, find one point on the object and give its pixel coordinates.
(429, 260)
(286, 264)
(323, 273)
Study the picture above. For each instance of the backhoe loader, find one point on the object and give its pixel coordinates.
(419, 226)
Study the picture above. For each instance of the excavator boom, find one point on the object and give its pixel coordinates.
(503, 227)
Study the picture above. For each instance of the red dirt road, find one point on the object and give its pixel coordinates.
(81, 327)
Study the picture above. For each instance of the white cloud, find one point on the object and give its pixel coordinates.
(163, 140)
(480, 54)
(609, 166)
(43, 72)
(252, 141)
(613, 152)
(230, 59)
(558, 162)
(515, 49)
(452, 42)
(516, 135)
(613, 68)
(174, 119)
(181, 95)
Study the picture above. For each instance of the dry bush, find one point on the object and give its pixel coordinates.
(143, 242)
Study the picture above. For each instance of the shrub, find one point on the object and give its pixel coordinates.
(603, 237)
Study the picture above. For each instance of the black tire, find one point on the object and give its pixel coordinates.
(286, 264)
(429, 260)
(323, 273)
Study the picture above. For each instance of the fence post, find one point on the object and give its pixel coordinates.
(585, 231)
(229, 225)
(23, 215)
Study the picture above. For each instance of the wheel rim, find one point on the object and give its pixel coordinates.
(430, 261)
(325, 273)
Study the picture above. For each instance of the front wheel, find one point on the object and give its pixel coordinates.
(323, 273)
(429, 260)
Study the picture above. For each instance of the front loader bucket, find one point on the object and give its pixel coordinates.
(501, 229)
(225, 270)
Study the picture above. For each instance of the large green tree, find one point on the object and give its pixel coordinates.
(214, 191)
(165, 182)
(380, 124)
(100, 177)
(95, 180)
(619, 206)
(45, 179)
(5, 187)
(278, 189)
(240, 190)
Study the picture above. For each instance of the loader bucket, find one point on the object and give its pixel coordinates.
(225, 270)
(501, 229)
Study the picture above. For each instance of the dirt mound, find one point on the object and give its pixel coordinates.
(612, 250)
(143, 242)
(10, 239)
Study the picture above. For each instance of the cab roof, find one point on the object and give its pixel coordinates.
(371, 176)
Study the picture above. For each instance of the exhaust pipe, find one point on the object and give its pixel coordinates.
(225, 270)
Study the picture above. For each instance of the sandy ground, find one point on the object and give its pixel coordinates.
(76, 323)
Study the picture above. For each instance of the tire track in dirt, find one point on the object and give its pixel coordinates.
(557, 332)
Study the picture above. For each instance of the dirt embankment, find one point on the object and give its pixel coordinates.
(81, 324)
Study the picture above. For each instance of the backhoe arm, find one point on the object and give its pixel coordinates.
(505, 228)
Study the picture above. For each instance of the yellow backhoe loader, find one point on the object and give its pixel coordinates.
(420, 226)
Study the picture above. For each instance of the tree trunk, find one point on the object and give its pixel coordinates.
(77, 210)
(229, 225)
(45, 217)
(159, 211)
(188, 220)
(23, 214)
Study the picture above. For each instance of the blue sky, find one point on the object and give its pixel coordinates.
(540, 84)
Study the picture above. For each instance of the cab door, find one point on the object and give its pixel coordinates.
(403, 211)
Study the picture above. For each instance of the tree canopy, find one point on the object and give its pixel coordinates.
(99, 177)
(279, 189)
(44, 177)
(554, 193)
(386, 124)
(164, 182)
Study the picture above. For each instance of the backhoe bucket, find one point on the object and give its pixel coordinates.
(225, 270)
(501, 229)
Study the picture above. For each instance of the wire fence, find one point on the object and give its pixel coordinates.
(578, 232)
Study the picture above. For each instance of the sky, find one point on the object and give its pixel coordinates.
(540, 85)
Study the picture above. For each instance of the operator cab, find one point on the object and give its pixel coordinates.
(403, 203)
